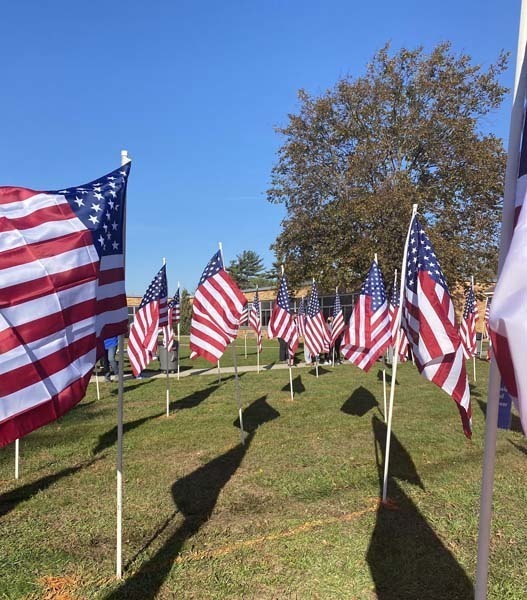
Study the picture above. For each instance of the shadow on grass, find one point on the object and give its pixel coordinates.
(518, 447)
(388, 377)
(269, 366)
(298, 386)
(407, 560)
(321, 371)
(10, 500)
(256, 414)
(195, 496)
(194, 399)
(109, 438)
(359, 403)
(129, 388)
(516, 424)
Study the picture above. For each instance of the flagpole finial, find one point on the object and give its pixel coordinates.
(178, 285)
(375, 258)
(164, 261)
(282, 267)
(125, 158)
(336, 290)
(414, 209)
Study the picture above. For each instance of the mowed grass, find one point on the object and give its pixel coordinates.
(292, 514)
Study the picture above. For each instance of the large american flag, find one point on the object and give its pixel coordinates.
(216, 310)
(316, 333)
(254, 320)
(393, 309)
(337, 325)
(467, 327)
(429, 322)
(508, 311)
(301, 317)
(151, 316)
(174, 315)
(368, 333)
(61, 293)
(282, 323)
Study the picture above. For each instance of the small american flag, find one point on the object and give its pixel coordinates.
(151, 316)
(486, 319)
(216, 311)
(174, 313)
(254, 320)
(301, 318)
(467, 328)
(430, 325)
(368, 333)
(316, 334)
(282, 324)
(337, 325)
(61, 291)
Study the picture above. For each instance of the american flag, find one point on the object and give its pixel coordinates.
(368, 333)
(393, 309)
(430, 324)
(216, 311)
(174, 313)
(337, 325)
(486, 331)
(467, 327)
(244, 316)
(151, 316)
(316, 334)
(254, 320)
(61, 290)
(282, 324)
(508, 312)
(301, 317)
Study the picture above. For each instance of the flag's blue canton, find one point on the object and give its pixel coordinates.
(394, 299)
(256, 302)
(313, 307)
(337, 308)
(157, 289)
(175, 300)
(421, 257)
(373, 286)
(100, 207)
(470, 303)
(283, 295)
(215, 265)
(301, 307)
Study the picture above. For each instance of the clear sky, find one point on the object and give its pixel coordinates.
(193, 90)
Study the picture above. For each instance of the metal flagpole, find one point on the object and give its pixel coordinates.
(257, 348)
(169, 325)
(511, 179)
(474, 357)
(395, 358)
(17, 456)
(178, 331)
(120, 393)
(383, 363)
(97, 383)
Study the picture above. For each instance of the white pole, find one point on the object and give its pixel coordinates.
(237, 392)
(511, 175)
(169, 325)
(17, 456)
(482, 333)
(395, 358)
(245, 344)
(119, 545)
(97, 383)
(178, 331)
(316, 366)
(291, 383)
(219, 372)
(384, 392)
(474, 357)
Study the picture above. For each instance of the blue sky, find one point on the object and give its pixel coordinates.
(193, 90)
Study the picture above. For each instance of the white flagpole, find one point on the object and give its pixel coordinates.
(258, 349)
(395, 358)
(169, 325)
(17, 456)
(474, 357)
(333, 323)
(507, 226)
(483, 331)
(97, 383)
(119, 544)
(245, 338)
(219, 372)
(178, 331)
(383, 364)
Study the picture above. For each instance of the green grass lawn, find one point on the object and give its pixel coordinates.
(292, 514)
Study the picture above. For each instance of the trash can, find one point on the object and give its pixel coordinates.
(168, 360)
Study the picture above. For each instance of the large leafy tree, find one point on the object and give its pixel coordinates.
(355, 159)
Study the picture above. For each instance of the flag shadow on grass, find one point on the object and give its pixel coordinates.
(321, 371)
(195, 496)
(10, 500)
(359, 403)
(298, 386)
(407, 559)
(518, 447)
(129, 388)
(194, 399)
(388, 377)
(256, 414)
(516, 424)
(109, 438)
